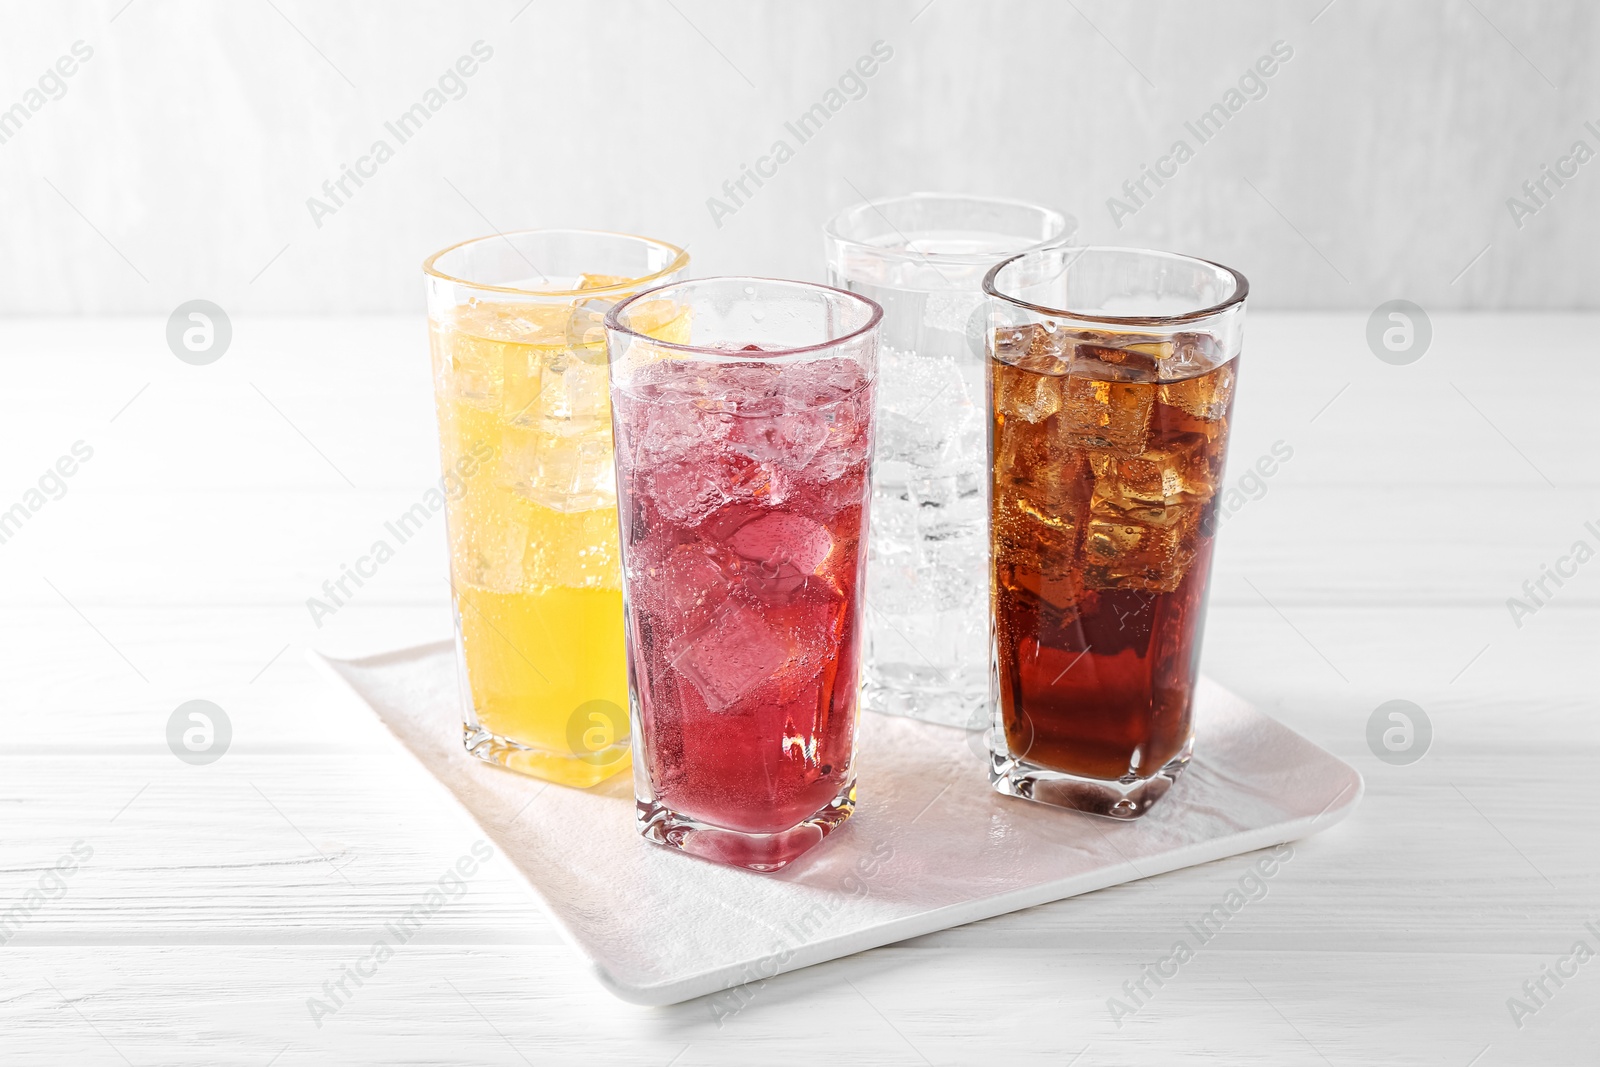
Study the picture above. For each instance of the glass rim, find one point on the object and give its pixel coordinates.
(613, 321)
(1067, 226)
(680, 259)
(1241, 288)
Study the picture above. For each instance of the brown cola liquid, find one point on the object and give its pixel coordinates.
(1103, 503)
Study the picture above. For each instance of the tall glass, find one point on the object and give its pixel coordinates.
(1111, 374)
(923, 257)
(743, 470)
(519, 373)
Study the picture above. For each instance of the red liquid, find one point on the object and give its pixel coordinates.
(1104, 498)
(742, 492)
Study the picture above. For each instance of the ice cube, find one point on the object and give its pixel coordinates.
(487, 341)
(1041, 484)
(1136, 352)
(1037, 548)
(725, 520)
(783, 537)
(687, 491)
(683, 492)
(730, 656)
(902, 438)
(1042, 466)
(1173, 469)
(781, 552)
(1129, 363)
(1125, 480)
(667, 430)
(562, 390)
(732, 387)
(470, 368)
(1126, 554)
(1191, 465)
(1191, 354)
(559, 471)
(524, 382)
(741, 479)
(1030, 397)
(1204, 397)
(1036, 347)
(1106, 413)
(1011, 342)
(933, 493)
(892, 585)
(952, 574)
(921, 408)
(683, 588)
(806, 624)
(557, 442)
(1035, 527)
(823, 381)
(1145, 549)
(849, 436)
(843, 482)
(786, 437)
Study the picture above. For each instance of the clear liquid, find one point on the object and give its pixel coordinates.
(927, 593)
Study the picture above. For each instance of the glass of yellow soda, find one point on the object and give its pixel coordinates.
(521, 385)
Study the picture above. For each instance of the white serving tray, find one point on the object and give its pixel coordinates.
(930, 845)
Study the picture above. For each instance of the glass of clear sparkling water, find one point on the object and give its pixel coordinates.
(923, 258)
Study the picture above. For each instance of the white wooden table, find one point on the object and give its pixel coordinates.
(219, 898)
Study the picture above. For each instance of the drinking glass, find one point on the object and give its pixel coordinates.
(923, 257)
(519, 372)
(1111, 374)
(743, 470)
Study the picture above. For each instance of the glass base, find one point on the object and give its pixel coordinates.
(920, 692)
(1124, 799)
(756, 852)
(581, 772)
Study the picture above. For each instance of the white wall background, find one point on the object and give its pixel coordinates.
(178, 162)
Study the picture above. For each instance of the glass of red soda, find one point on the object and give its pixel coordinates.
(743, 454)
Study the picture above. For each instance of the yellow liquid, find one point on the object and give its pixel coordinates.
(546, 670)
(525, 431)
